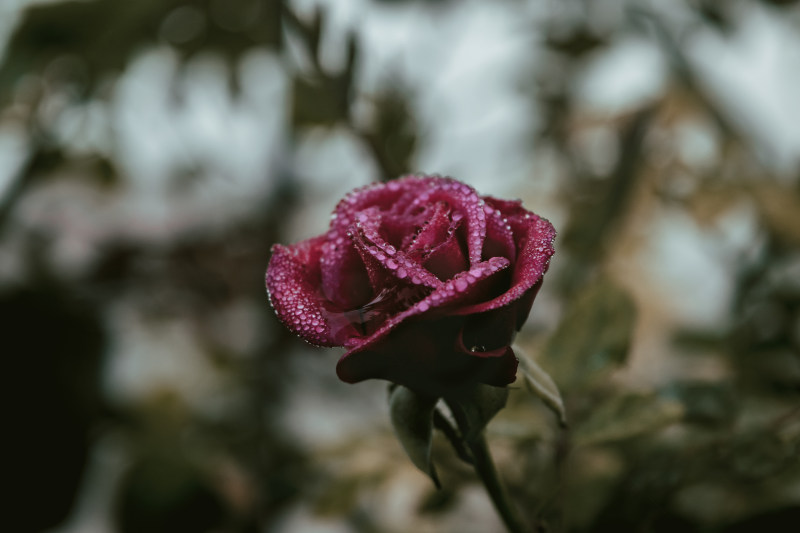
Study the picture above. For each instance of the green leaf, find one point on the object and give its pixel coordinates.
(706, 404)
(473, 409)
(392, 133)
(542, 385)
(318, 101)
(412, 418)
(593, 337)
(627, 416)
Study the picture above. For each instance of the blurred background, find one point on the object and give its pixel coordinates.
(152, 151)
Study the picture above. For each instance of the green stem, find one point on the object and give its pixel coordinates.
(484, 467)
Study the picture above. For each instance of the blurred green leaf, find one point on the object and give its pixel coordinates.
(578, 43)
(689, 340)
(593, 337)
(773, 520)
(598, 207)
(164, 492)
(100, 36)
(759, 455)
(412, 418)
(392, 136)
(708, 404)
(780, 208)
(473, 409)
(627, 416)
(541, 384)
(319, 101)
(322, 98)
(590, 480)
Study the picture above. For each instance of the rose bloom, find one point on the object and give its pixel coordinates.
(422, 280)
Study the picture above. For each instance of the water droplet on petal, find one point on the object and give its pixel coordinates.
(461, 284)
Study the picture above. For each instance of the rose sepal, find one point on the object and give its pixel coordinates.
(541, 384)
(473, 408)
(412, 414)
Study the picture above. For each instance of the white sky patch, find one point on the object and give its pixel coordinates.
(149, 357)
(13, 153)
(461, 65)
(171, 121)
(754, 73)
(697, 143)
(693, 267)
(329, 163)
(629, 74)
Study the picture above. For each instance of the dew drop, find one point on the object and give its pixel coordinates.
(391, 264)
(461, 284)
(401, 273)
(423, 306)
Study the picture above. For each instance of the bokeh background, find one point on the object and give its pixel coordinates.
(151, 152)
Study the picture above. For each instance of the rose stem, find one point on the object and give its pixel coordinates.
(484, 467)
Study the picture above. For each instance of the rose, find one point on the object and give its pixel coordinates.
(423, 281)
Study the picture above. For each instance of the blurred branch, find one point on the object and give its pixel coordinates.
(596, 217)
(99, 37)
(327, 98)
(684, 71)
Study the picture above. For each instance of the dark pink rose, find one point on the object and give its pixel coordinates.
(423, 281)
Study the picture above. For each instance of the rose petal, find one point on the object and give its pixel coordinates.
(292, 276)
(344, 278)
(534, 236)
(343, 275)
(509, 208)
(426, 362)
(434, 231)
(395, 263)
(436, 245)
(499, 236)
(392, 197)
(464, 201)
(485, 334)
(447, 259)
(450, 293)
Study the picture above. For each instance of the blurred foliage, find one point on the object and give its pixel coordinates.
(666, 451)
(53, 343)
(53, 38)
(593, 337)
